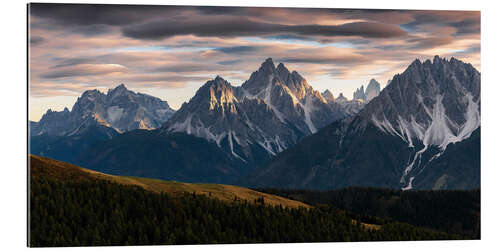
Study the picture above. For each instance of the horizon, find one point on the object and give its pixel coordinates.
(170, 51)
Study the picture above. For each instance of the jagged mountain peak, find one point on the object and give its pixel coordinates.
(118, 89)
(372, 82)
(435, 103)
(359, 94)
(217, 92)
(436, 62)
(218, 81)
(419, 132)
(372, 90)
(341, 98)
(328, 95)
(281, 67)
(119, 109)
(417, 91)
(415, 63)
(267, 66)
(268, 75)
(271, 111)
(91, 93)
(283, 72)
(216, 87)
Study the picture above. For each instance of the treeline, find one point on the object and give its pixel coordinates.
(456, 212)
(99, 213)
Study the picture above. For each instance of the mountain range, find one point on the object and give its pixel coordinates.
(95, 117)
(267, 114)
(242, 127)
(119, 109)
(421, 131)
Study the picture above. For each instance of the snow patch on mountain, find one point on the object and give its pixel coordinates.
(273, 109)
(433, 103)
(307, 108)
(120, 109)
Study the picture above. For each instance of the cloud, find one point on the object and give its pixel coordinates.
(190, 67)
(99, 14)
(324, 56)
(467, 26)
(35, 40)
(77, 47)
(65, 62)
(237, 26)
(238, 49)
(324, 59)
(290, 37)
(163, 78)
(230, 62)
(47, 89)
(464, 22)
(430, 42)
(84, 70)
(142, 21)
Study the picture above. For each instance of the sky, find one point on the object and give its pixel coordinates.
(171, 51)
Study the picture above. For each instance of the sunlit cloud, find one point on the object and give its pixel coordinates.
(175, 49)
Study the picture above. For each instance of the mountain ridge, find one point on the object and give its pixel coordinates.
(352, 153)
(242, 127)
(269, 112)
(120, 109)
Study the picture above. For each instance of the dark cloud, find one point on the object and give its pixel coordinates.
(468, 26)
(92, 30)
(141, 21)
(361, 29)
(223, 10)
(347, 41)
(35, 40)
(96, 19)
(236, 26)
(84, 70)
(238, 49)
(389, 47)
(466, 22)
(64, 62)
(92, 14)
(291, 37)
(229, 62)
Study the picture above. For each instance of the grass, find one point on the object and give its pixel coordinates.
(50, 168)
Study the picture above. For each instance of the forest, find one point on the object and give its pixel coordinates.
(96, 212)
(451, 211)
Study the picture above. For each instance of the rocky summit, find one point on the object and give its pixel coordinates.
(119, 109)
(268, 113)
(372, 90)
(422, 131)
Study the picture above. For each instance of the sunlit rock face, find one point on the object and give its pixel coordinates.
(119, 109)
(268, 113)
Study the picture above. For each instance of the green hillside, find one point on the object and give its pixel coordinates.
(58, 170)
(72, 206)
